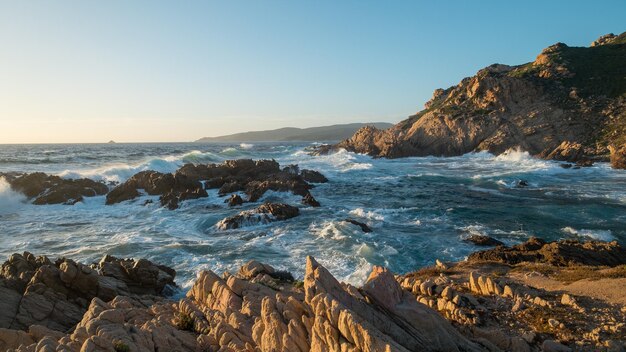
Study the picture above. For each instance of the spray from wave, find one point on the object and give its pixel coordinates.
(10, 201)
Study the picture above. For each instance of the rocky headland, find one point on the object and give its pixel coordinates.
(535, 296)
(569, 104)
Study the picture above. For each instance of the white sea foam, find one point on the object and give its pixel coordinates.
(10, 201)
(120, 172)
(601, 235)
(360, 212)
(246, 146)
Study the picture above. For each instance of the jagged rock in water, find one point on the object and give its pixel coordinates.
(234, 200)
(362, 225)
(266, 213)
(313, 176)
(483, 240)
(309, 200)
(49, 189)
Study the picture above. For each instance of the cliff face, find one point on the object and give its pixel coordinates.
(569, 104)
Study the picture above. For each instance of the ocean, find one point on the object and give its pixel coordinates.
(420, 209)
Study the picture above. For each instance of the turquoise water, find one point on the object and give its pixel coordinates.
(419, 208)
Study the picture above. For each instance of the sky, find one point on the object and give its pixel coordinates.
(150, 71)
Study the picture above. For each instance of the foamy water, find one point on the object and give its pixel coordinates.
(420, 209)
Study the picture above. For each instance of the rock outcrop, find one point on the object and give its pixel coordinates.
(264, 214)
(569, 104)
(35, 290)
(473, 305)
(254, 310)
(49, 189)
(191, 181)
(561, 253)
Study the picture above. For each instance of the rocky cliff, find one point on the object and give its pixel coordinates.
(535, 296)
(568, 104)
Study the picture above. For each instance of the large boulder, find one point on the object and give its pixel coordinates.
(264, 214)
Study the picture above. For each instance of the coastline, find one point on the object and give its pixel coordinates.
(554, 296)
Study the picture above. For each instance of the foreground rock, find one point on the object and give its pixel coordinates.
(475, 305)
(35, 290)
(264, 214)
(49, 189)
(555, 301)
(256, 310)
(569, 104)
(254, 178)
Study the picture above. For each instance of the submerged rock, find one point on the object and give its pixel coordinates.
(266, 213)
(483, 240)
(362, 225)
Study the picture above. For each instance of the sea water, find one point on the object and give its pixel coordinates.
(420, 209)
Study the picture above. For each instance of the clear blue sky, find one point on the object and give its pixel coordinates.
(90, 71)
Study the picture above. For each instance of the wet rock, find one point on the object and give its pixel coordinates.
(362, 225)
(483, 240)
(266, 213)
(309, 200)
(553, 346)
(234, 200)
(191, 181)
(561, 253)
(313, 176)
(584, 162)
(566, 166)
(48, 189)
(521, 184)
(618, 156)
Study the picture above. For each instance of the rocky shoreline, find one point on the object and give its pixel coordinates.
(535, 296)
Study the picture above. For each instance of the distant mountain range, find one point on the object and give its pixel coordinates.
(312, 134)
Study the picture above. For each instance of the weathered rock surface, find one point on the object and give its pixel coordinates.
(254, 178)
(466, 306)
(34, 290)
(569, 104)
(618, 156)
(483, 240)
(561, 253)
(255, 311)
(264, 214)
(49, 189)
